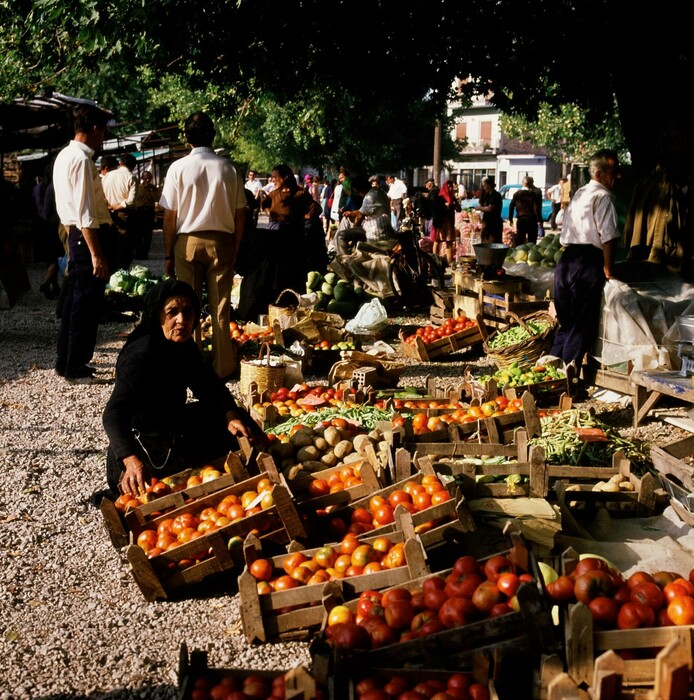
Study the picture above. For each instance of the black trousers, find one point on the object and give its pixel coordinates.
(81, 309)
(526, 230)
(579, 280)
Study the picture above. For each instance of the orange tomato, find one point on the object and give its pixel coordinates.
(164, 526)
(372, 567)
(262, 569)
(247, 498)
(375, 502)
(399, 496)
(435, 423)
(434, 486)
(383, 515)
(419, 421)
(440, 497)
(325, 556)
(293, 560)
(318, 487)
(347, 473)
(285, 582)
(342, 563)
(363, 554)
(263, 485)
(422, 500)
(395, 557)
(382, 544)
(349, 543)
(147, 539)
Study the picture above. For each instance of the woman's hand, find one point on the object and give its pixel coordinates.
(133, 479)
(236, 427)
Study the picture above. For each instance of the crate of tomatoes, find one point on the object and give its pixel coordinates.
(437, 342)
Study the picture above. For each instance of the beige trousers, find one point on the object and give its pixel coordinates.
(208, 257)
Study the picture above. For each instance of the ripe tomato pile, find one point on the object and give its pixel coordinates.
(472, 590)
(341, 479)
(457, 686)
(415, 496)
(430, 334)
(240, 336)
(186, 527)
(642, 600)
(230, 687)
(350, 557)
(423, 423)
(302, 399)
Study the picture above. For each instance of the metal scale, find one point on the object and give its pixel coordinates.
(685, 345)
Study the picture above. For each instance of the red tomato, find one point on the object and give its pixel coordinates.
(662, 578)
(465, 565)
(463, 585)
(622, 594)
(639, 577)
(477, 691)
(433, 583)
(681, 610)
(604, 610)
(435, 598)
(500, 609)
(561, 590)
(497, 565)
(486, 596)
(262, 569)
(589, 564)
(381, 634)
(374, 694)
(595, 583)
(649, 594)
(634, 615)
(421, 618)
(431, 627)
(368, 683)
(395, 686)
(508, 584)
(455, 612)
(399, 614)
(393, 594)
(349, 635)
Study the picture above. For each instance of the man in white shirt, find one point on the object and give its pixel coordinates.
(590, 233)
(554, 193)
(204, 218)
(397, 191)
(83, 211)
(252, 184)
(120, 186)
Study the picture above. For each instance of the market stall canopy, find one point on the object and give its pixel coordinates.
(42, 122)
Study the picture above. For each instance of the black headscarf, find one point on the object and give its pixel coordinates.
(150, 321)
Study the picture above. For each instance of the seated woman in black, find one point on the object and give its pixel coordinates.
(152, 428)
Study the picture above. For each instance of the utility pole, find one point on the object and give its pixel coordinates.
(437, 153)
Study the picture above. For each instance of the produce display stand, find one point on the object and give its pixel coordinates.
(677, 476)
(651, 386)
(529, 630)
(667, 675)
(443, 347)
(193, 666)
(165, 574)
(494, 299)
(297, 614)
(442, 307)
(237, 466)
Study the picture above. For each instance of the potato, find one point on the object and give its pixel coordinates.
(342, 449)
(376, 435)
(329, 459)
(599, 486)
(301, 438)
(332, 436)
(352, 457)
(321, 444)
(626, 486)
(281, 450)
(308, 453)
(313, 466)
(611, 487)
(617, 478)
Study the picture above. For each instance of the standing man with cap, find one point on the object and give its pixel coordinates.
(83, 211)
(205, 213)
(590, 233)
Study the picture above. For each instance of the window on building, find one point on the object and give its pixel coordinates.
(461, 131)
(486, 132)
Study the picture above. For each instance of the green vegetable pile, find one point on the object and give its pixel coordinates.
(366, 416)
(517, 334)
(136, 281)
(563, 444)
(522, 375)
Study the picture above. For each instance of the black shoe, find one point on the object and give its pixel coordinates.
(84, 372)
(48, 292)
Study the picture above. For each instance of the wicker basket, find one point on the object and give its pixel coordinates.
(261, 372)
(288, 315)
(528, 351)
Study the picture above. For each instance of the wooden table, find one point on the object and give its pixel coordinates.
(650, 386)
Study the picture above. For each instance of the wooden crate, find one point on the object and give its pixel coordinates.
(528, 630)
(297, 614)
(667, 675)
(189, 564)
(237, 465)
(193, 666)
(677, 475)
(442, 348)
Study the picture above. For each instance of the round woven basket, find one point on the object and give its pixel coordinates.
(528, 351)
(286, 315)
(265, 375)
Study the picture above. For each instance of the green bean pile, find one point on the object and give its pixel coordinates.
(563, 445)
(517, 334)
(366, 416)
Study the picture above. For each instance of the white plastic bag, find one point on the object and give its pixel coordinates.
(371, 317)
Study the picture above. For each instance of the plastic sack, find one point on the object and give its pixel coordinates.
(370, 317)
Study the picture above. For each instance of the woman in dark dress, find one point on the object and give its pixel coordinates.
(152, 428)
(445, 205)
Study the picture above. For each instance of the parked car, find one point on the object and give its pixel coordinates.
(507, 192)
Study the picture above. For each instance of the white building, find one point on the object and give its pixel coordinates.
(488, 153)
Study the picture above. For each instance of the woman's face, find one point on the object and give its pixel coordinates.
(177, 319)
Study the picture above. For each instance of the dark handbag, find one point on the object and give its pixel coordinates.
(157, 449)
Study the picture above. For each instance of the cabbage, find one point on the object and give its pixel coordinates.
(141, 272)
(141, 288)
(121, 281)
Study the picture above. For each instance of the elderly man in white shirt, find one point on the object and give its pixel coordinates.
(204, 218)
(83, 211)
(120, 187)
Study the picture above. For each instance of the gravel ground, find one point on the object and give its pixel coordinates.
(73, 623)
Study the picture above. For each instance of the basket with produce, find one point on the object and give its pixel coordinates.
(524, 340)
